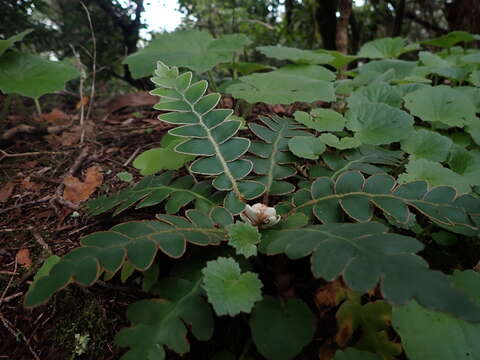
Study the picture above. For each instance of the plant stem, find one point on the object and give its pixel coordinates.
(37, 105)
(246, 347)
(212, 82)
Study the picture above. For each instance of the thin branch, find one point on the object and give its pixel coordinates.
(132, 156)
(4, 154)
(83, 76)
(18, 206)
(94, 65)
(430, 26)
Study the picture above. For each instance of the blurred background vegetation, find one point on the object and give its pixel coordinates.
(62, 26)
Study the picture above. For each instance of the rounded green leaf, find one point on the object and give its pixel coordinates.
(386, 48)
(321, 119)
(196, 50)
(428, 145)
(340, 59)
(435, 174)
(295, 55)
(125, 176)
(47, 265)
(475, 78)
(155, 160)
(377, 124)
(427, 334)
(377, 92)
(285, 86)
(441, 104)
(7, 43)
(30, 75)
(307, 147)
(280, 329)
(228, 290)
(244, 238)
(342, 143)
(450, 39)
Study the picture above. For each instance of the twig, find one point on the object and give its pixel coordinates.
(11, 297)
(11, 329)
(45, 179)
(78, 162)
(131, 157)
(22, 128)
(18, 206)
(9, 281)
(37, 106)
(41, 242)
(4, 272)
(83, 228)
(83, 76)
(4, 154)
(28, 129)
(94, 65)
(268, 26)
(58, 192)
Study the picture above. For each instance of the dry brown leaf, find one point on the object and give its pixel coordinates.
(29, 164)
(327, 351)
(82, 102)
(330, 295)
(30, 185)
(56, 116)
(141, 98)
(6, 191)
(23, 258)
(77, 191)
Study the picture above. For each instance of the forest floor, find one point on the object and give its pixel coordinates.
(49, 166)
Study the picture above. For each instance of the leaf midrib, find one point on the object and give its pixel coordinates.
(219, 155)
(409, 202)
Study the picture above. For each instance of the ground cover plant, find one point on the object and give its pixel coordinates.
(298, 236)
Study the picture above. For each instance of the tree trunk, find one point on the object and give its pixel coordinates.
(463, 15)
(326, 22)
(399, 16)
(355, 41)
(345, 9)
(289, 4)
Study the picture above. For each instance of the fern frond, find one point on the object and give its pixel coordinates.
(356, 196)
(367, 159)
(137, 241)
(208, 134)
(152, 190)
(272, 156)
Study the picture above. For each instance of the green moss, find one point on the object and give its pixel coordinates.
(79, 312)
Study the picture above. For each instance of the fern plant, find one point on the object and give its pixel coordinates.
(346, 212)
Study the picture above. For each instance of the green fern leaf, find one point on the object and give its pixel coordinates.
(365, 254)
(272, 156)
(165, 321)
(136, 242)
(367, 159)
(356, 196)
(152, 190)
(208, 134)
